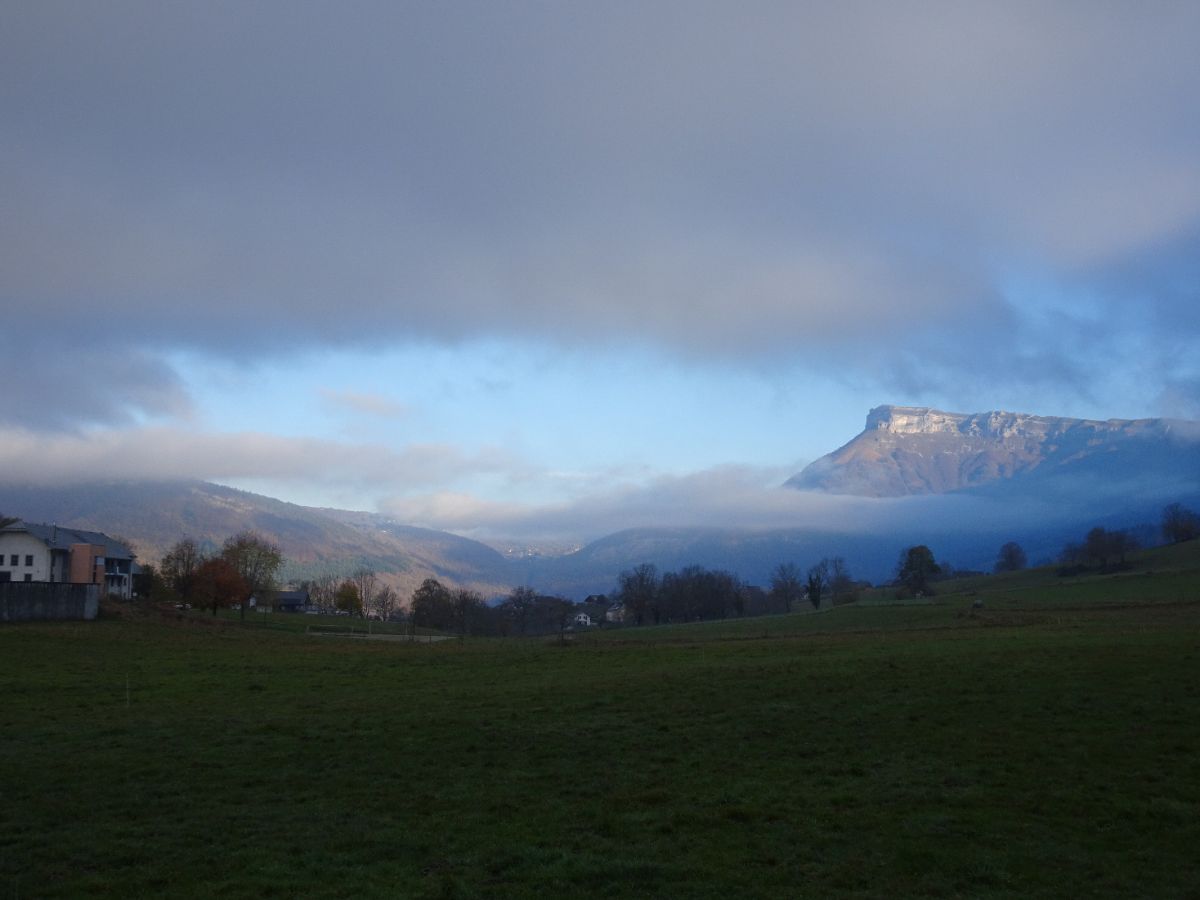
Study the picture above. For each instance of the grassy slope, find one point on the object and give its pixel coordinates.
(1048, 743)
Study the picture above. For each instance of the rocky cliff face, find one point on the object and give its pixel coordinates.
(908, 450)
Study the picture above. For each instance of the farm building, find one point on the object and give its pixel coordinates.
(281, 601)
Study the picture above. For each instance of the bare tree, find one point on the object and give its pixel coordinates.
(638, 590)
(179, 567)
(365, 580)
(385, 602)
(518, 605)
(467, 606)
(786, 585)
(322, 591)
(840, 582)
(256, 559)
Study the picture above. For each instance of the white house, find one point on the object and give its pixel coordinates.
(49, 553)
(583, 619)
(615, 613)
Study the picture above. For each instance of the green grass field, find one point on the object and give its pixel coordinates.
(1045, 745)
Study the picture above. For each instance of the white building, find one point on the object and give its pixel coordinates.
(49, 553)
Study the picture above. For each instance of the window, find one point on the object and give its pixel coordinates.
(12, 560)
(29, 559)
(5, 576)
(29, 576)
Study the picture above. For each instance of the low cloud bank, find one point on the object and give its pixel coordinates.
(163, 453)
(417, 483)
(752, 499)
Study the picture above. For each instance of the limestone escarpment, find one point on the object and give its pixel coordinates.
(908, 450)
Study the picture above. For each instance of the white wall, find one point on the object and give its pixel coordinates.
(24, 545)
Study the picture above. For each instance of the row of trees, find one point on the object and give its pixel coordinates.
(245, 566)
(525, 611)
(459, 610)
(1100, 547)
(361, 594)
(463, 611)
(830, 575)
(691, 594)
(695, 593)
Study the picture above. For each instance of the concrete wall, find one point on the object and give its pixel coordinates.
(26, 602)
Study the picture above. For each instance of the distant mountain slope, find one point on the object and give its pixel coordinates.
(154, 515)
(445, 555)
(912, 450)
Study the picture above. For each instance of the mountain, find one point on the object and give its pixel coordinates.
(963, 484)
(905, 451)
(151, 516)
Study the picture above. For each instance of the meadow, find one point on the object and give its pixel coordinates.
(1042, 744)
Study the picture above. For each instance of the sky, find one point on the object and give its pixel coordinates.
(546, 269)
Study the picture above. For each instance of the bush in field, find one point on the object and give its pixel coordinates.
(1011, 558)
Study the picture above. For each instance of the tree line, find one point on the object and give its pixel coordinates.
(361, 594)
(1109, 548)
(245, 566)
(696, 593)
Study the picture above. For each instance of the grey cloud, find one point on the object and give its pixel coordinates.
(100, 383)
(164, 453)
(762, 180)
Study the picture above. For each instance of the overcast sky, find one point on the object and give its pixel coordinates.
(476, 263)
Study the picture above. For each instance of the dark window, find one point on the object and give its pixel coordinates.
(12, 560)
(29, 559)
(5, 576)
(29, 576)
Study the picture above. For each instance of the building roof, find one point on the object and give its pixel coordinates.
(56, 537)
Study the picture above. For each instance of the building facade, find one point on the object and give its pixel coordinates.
(48, 553)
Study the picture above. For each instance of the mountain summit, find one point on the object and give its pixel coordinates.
(906, 450)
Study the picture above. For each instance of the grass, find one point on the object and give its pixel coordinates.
(1048, 743)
